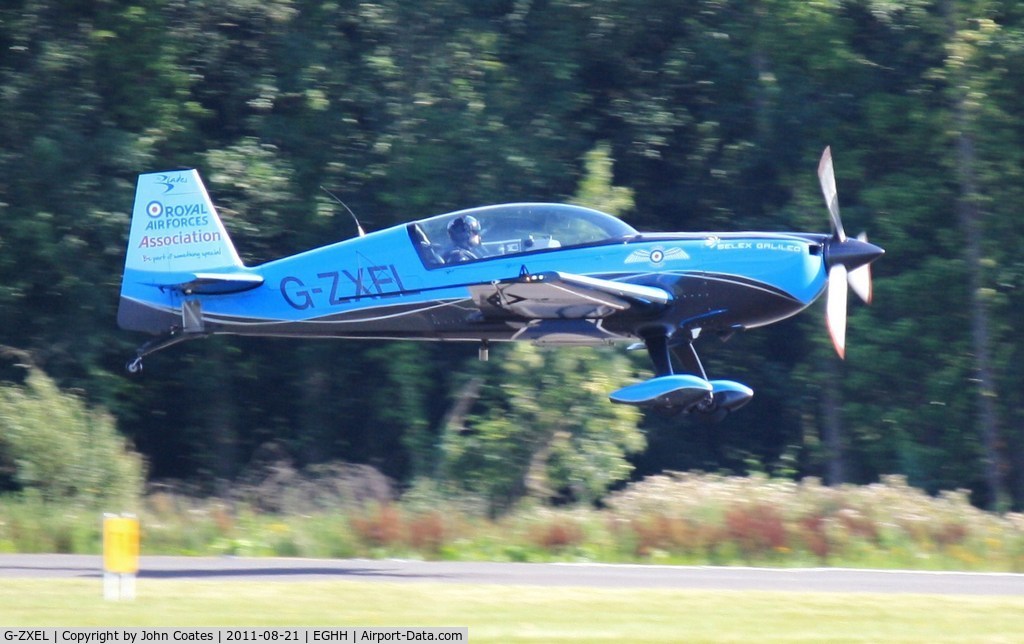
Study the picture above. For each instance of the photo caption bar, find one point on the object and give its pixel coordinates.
(240, 635)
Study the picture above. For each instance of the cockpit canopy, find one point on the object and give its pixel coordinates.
(511, 229)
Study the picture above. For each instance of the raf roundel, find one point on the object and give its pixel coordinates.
(155, 209)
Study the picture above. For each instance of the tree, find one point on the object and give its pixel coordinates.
(715, 113)
(971, 218)
(538, 423)
(596, 189)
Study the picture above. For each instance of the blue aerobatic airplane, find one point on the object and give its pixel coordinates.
(553, 274)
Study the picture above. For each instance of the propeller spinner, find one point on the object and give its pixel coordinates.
(847, 260)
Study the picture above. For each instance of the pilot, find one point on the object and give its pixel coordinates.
(465, 235)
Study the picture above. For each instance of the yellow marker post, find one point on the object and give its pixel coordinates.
(120, 556)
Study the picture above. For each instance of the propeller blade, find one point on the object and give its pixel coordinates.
(860, 277)
(835, 308)
(827, 178)
(846, 260)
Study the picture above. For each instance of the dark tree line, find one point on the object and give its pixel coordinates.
(711, 112)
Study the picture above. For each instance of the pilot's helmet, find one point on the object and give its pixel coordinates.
(465, 231)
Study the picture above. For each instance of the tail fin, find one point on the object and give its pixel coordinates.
(178, 250)
(175, 228)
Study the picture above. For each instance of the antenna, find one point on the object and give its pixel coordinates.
(359, 228)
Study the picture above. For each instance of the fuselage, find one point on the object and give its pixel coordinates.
(392, 284)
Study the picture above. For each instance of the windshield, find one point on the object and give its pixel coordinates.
(494, 231)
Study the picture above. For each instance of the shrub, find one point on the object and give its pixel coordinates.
(64, 450)
(557, 534)
(888, 523)
(691, 518)
(427, 532)
(380, 527)
(757, 530)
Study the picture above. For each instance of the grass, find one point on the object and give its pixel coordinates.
(691, 519)
(526, 614)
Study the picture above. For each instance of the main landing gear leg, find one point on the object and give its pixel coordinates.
(134, 366)
(657, 349)
(688, 356)
(670, 393)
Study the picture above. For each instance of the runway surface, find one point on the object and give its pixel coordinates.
(835, 580)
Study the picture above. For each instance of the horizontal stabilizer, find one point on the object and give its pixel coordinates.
(204, 283)
(665, 391)
(220, 283)
(554, 295)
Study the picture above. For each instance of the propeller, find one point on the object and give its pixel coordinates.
(835, 308)
(847, 260)
(860, 277)
(827, 177)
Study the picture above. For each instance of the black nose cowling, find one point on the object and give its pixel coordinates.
(851, 253)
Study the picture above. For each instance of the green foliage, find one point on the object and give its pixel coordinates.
(29, 524)
(671, 519)
(64, 451)
(537, 423)
(707, 517)
(596, 189)
(712, 115)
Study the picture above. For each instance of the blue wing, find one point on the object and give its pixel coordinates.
(556, 295)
